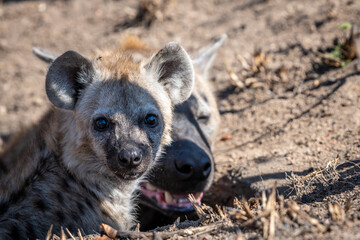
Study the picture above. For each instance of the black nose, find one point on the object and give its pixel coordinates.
(192, 166)
(130, 157)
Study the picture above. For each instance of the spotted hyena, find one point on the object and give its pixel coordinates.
(187, 165)
(80, 164)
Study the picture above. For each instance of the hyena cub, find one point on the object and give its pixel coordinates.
(80, 164)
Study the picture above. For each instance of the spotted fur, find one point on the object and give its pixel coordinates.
(62, 171)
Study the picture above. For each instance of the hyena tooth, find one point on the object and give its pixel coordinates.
(151, 187)
(168, 197)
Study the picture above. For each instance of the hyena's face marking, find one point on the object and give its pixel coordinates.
(122, 106)
(125, 132)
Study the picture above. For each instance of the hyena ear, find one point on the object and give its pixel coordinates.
(66, 78)
(44, 54)
(205, 57)
(173, 68)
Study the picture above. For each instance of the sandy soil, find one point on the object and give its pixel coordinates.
(295, 114)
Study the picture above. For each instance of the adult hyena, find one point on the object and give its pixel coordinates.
(80, 164)
(187, 166)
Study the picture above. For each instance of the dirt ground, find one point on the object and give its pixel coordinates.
(295, 122)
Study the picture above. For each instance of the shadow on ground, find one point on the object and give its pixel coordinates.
(348, 179)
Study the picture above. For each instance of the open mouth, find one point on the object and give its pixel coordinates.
(169, 201)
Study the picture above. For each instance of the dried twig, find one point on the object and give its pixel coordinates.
(221, 213)
(72, 237)
(237, 214)
(198, 209)
(294, 210)
(347, 205)
(271, 234)
(247, 208)
(270, 205)
(263, 214)
(336, 212)
(80, 235)
(243, 62)
(109, 231)
(237, 203)
(137, 229)
(233, 77)
(48, 235)
(62, 235)
(192, 231)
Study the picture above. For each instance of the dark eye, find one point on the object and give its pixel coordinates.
(101, 124)
(203, 118)
(151, 120)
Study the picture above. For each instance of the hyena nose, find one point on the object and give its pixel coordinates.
(190, 167)
(130, 157)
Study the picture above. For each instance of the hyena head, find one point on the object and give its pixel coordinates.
(120, 107)
(188, 164)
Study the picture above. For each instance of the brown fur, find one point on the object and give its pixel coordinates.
(125, 59)
(62, 170)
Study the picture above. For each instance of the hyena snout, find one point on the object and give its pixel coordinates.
(130, 160)
(192, 165)
(130, 157)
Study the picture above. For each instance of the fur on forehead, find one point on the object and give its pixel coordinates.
(129, 82)
(116, 64)
(127, 59)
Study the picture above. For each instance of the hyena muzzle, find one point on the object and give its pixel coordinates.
(80, 164)
(187, 166)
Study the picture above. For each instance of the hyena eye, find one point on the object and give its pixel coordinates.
(151, 120)
(101, 124)
(203, 118)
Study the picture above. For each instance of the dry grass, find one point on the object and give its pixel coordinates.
(305, 184)
(254, 71)
(264, 215)
(149, 11)
(346, 50)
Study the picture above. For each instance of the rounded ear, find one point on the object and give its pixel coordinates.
(173, 68)
(67, 76)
